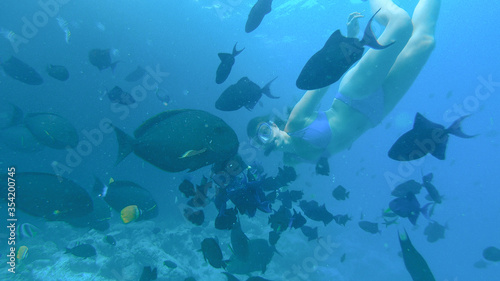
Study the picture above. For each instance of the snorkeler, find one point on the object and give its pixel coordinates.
(367, 92)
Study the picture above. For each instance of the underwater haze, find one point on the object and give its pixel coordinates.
(176, 44)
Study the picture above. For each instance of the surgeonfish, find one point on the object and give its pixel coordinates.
(424, 138)
(336, 57)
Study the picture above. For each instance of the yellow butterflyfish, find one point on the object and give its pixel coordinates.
(130, 213)
(22, 253)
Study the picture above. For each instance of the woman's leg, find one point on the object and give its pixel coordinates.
(368, 75)
(415, 54)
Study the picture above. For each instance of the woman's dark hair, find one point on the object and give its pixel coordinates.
(254, 124)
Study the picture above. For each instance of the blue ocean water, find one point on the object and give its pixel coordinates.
(182, 38)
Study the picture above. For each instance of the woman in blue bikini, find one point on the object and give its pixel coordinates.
(367, 92)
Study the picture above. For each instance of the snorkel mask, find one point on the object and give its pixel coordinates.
(265, 132)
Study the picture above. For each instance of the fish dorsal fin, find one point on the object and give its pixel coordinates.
(224, 56)
(151, 122)
(423, 123)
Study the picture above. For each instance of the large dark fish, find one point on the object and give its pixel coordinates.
(239, 242)
(170, 264)
(370, 227)
(256, 15)
(296, 195)
(281, 219)
(226, 218)
(341, 219)
(51, 130)
(20, 71)
(313, 211)
(101, 59)
(425, 137)
(195, 217)
(323, 167)
(257, 278)
(434, 231)
(408, 207)
(110, 240)
(226, 63)
(298, 220)
(10, 114)
(117, 95)
(492, 254)
(58, 72)
(340, 193)
(212, 253)
(244, 93)
(187, 188)
(414, 262)
(135, 75)
(274, 237)
(98, 219)
(149, 274)
(286, 200)
(285, 176)
(19, 138)
(259, 256)
(121, 194)
(82, 250)
(309, 232)
(336, 57)
(200, 198)
(50, 196)
(177, 140)
(230, 277)
(408, 186)
(431, 189)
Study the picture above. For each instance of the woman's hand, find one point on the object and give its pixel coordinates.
(353, 24)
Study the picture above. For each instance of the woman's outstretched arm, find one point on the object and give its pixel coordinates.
(303, 111)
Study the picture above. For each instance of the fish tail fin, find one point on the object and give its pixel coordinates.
(267, 89)
(113, 65)
(98, 186)
(276, 250)
(369, 38)
(456, 129)
(425, 211)
(125, 144)
(236, 52)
